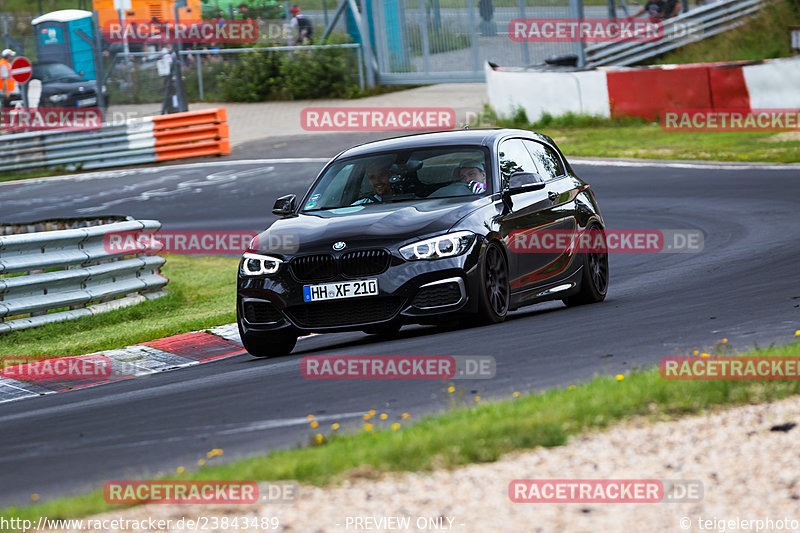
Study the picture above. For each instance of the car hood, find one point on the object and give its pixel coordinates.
(373, 225)
(69, 86)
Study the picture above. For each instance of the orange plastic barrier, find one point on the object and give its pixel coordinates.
(191, 134)
(190, 118)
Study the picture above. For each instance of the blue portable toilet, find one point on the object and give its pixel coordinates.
(57, 39)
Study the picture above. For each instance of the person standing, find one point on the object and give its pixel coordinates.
(654, 10)
(5, 76)
(302, 28)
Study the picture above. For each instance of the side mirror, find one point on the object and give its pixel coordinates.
(284, 205)
(525, 181)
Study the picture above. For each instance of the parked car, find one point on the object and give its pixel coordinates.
(63, 87)
(417, 229)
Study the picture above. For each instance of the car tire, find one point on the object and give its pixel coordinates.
(594, 280)
(494, 293)
(268, 345)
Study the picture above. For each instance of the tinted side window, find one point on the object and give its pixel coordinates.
(546, 160)
(514, 157)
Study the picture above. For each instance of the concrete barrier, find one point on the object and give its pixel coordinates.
(646, 91)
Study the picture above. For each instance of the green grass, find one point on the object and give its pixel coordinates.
(25, 174)
(761, 37)
(31, 6)
(650, 142)
(589, 136)
(202, 294)
(477, 434)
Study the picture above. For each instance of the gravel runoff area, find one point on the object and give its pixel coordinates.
(749, 471)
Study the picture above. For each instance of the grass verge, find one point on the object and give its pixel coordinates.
(474, 435)
(202, 294)
(590, 136)
(762, 37)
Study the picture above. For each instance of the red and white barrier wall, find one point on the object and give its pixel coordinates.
(647, 91)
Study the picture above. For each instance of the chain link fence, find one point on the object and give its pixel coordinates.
(455, 39)
(411, 42)
(238, 74)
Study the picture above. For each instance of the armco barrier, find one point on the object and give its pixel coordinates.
(646, 91)
(697, 24)
(53, 224)
(72, 268)
(147, 140)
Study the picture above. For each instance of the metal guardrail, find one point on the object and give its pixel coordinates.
(53, 224)
(72, 268)
(695, 25)
(147, 140)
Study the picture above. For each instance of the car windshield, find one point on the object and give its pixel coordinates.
(55, 72)
(405, 175)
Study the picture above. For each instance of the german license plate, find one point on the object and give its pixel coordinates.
(87, 101)
(337, 291)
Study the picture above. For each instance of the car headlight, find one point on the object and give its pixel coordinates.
(259, 265)
(448, 245)
(58, 98)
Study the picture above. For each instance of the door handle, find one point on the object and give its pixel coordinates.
(553, 195)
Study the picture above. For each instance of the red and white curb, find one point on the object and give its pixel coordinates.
(160, 355)
(646, 91)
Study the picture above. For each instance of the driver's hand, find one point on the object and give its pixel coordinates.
(476, 187)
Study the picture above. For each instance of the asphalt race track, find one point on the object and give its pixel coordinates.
(743, 286)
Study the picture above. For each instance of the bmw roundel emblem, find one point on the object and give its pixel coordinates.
(339, 246)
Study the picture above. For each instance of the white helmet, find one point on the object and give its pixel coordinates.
(8, 52)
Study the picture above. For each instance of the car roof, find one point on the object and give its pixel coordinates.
(477, 137)
(46, 63)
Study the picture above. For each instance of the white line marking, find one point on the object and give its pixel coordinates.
(102, 174)
(18, 388)
(712, 165)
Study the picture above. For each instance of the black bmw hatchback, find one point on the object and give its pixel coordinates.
(420, 229)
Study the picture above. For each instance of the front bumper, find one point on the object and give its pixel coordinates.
(409, 292)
